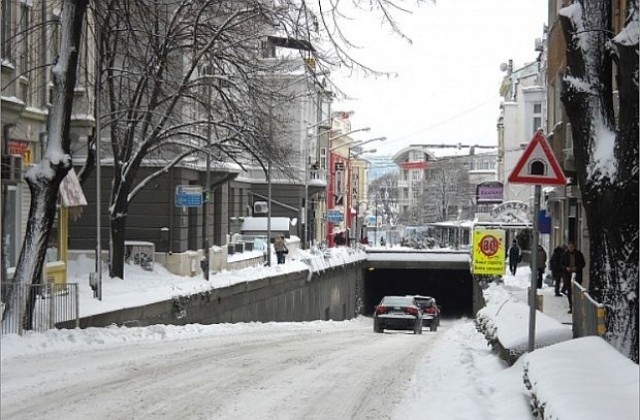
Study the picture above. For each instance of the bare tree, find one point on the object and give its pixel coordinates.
(164, 60)
(606, 152)
(45, 177)
(383, 194)
(447, 190)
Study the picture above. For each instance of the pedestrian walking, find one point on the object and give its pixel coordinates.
(542, 265)
(280, 246)
(515, 256)
(204, 265)
(555, 264)
(382, 241)
(572, 264)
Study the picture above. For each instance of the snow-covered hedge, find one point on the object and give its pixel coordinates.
(574, 380)
(504, 322)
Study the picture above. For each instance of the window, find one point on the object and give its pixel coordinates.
(537, 123)
(537, 117)
(323, 158)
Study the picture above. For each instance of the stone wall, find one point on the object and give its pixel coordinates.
(335, 293)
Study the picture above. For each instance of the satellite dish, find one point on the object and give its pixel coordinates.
(294, 221)
(504, 67)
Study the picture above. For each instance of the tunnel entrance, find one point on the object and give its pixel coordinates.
(452, 289)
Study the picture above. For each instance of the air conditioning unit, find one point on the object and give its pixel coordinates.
(260, 207)
(12, 169)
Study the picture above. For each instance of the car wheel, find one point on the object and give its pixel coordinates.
(418, 329)
(433, 327)
(377, 328)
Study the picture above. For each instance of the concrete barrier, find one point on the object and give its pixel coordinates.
(331, 294)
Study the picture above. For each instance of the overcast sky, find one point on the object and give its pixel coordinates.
(447, 86)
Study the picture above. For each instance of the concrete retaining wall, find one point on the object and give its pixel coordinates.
(335, 294)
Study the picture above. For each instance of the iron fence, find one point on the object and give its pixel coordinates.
(588, 315)
(39, 307)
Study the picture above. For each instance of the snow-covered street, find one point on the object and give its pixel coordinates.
(312, 370)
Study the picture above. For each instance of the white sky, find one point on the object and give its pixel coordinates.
(457, 377)
(448, 82)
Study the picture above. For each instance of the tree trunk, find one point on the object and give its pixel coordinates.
(609, 189)
(116, 244)
(117, 233)
(44, 178)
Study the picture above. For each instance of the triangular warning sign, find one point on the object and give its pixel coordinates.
(538, 165)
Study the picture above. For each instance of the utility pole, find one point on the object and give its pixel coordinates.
(207, 200)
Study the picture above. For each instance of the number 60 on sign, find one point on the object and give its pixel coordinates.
(488, 251)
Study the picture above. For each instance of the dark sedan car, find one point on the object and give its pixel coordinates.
(397, 313)
(430, 311)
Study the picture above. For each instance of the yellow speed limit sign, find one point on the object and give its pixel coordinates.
(488, 251)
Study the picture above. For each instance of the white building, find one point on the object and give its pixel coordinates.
(522, 113)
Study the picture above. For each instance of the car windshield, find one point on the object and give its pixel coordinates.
(396, 301)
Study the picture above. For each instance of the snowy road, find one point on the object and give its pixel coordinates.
(344, 373)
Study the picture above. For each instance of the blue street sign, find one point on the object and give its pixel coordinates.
(334, 216)
(188, 196)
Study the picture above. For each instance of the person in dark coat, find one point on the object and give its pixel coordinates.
(572, 263)
(542, 263)
(555, 264)
(204, 265)
(514, 255)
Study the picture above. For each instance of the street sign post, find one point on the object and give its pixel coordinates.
(488, 251)
(537, 166)
(188, 196)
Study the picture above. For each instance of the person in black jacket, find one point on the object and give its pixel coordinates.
(555, 264)
(514, 255)
(572, 263)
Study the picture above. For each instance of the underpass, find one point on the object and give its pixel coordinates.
(443, 274)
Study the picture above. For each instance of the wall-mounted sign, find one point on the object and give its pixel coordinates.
(414, 165)
(188, 196)
(544, 222)
(22, 148)
(512, 211)
(334, 216)
(489, 192)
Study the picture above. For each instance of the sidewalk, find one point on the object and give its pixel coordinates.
(553, 306)
(565, 378)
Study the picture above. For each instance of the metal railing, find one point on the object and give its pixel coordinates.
(48, 304)
(588, 315)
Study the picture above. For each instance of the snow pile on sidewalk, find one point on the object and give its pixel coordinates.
(505, 323)
(575, 380)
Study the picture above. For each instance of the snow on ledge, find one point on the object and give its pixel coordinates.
(575, 380)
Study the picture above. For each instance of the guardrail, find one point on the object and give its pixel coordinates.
(49, 304)
(588, 315)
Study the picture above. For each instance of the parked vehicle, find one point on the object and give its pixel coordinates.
(430, 311)
(397, 313)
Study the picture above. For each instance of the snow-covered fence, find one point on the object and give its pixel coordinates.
(51, 303)
(588, 315)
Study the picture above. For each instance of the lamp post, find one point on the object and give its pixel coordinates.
(354, 187)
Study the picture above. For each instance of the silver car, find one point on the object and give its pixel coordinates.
(397, 313)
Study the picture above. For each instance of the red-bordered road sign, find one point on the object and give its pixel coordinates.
(538, 165)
